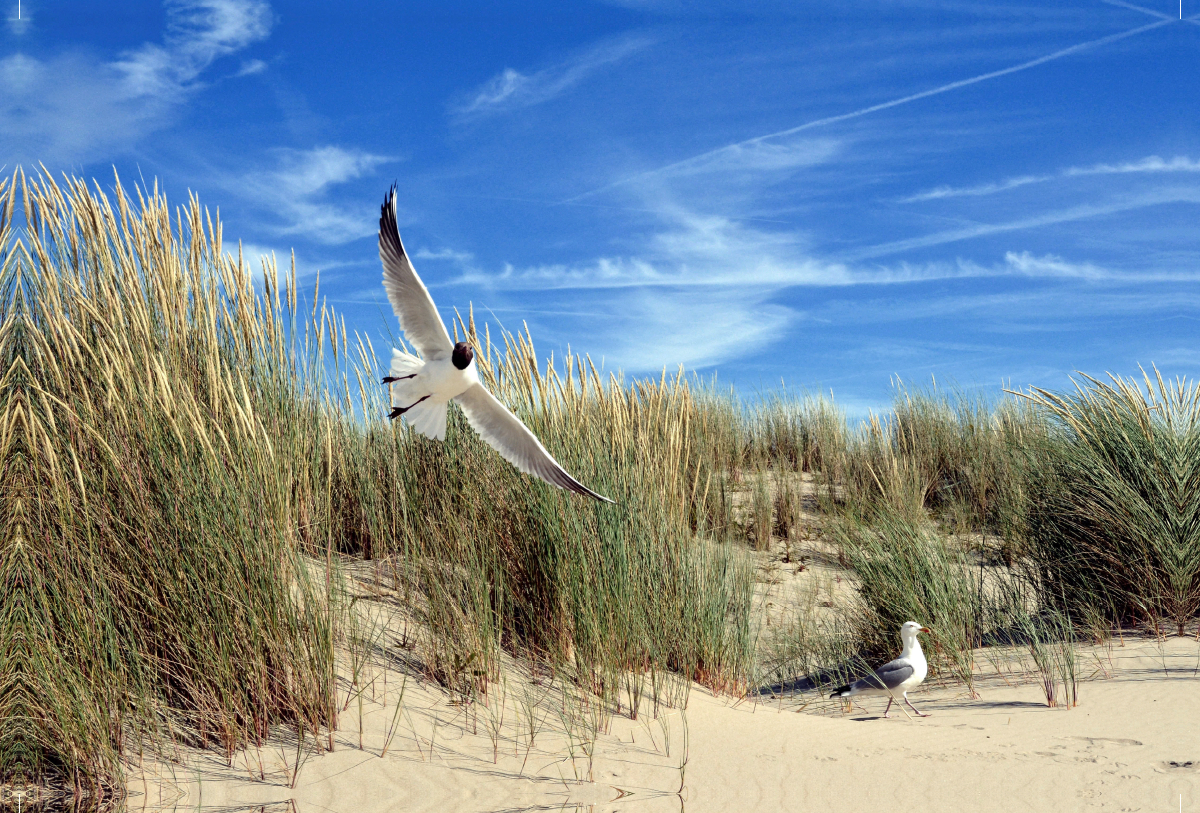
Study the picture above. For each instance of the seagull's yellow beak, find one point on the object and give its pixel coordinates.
(925, 629)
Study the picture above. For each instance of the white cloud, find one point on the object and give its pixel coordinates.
(1074, 213)
(448, 254)
(67, 109)
(1151, 164)
(511, 89)
(198, 32)
(1051, 265)
(251, 67)
(75, 106)
(708, 251)
(693, 250)
(981, 189)
(759, 157)
(297, 191)
(669, 334)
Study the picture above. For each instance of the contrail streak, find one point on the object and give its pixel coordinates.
(1194, 19)
(730, 148)
(1082, 212)
(1131, 6)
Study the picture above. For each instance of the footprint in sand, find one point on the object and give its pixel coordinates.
(1105, 740)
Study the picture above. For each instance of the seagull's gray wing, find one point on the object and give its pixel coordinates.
(888, 676)
(505, 433)
(419, 319)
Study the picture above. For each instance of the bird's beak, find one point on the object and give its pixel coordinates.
(925, 629)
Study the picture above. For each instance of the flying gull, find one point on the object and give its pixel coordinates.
(422, 387)
(900, 675)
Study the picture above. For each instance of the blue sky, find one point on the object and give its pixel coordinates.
(774, 192)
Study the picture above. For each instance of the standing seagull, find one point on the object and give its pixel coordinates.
(423, 387)
(900, 675)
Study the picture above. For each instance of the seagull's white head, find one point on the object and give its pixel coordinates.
(463, 355)
(909, 629)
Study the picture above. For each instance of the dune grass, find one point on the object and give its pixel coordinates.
(188, 454)
(156, 542)
(1081, 508)
(1115, 529)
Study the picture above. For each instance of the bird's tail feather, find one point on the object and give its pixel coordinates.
(428, 418)
(406, 388)
(404, 364)
(841, 691)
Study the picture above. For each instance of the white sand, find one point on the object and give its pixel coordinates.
(1004, 751)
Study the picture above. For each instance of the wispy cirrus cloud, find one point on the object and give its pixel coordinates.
(1051, 265)
(1150, 164)
(511, 90)
(760, 158)
(198, 33)
(709, 156)
(75, 105)
(297, 191)
(1178, 194)
(708, 251)
(741, 295)
(251, 67)
(446, 254)
(735, 323)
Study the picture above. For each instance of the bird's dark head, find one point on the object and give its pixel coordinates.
(463, 354)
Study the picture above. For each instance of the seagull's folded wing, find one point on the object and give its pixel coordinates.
(512, 439)
(890, 675)
(410, 299)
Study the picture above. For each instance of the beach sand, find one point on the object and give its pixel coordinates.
(1131, 743)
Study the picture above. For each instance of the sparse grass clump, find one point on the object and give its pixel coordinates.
(956, 458)
(1115, 523)
(906, 571)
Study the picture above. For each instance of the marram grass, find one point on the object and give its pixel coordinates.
(1115, 529)
(186, 456)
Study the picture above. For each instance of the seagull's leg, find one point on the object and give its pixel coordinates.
(887, 711)
(389, 379)
(911, 706)
(398, 411)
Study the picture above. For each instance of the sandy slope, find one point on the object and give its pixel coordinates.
(1126, 746)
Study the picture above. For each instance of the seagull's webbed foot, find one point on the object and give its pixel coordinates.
(887, 713)
(398, 411)
(914, 708)
(389, 379)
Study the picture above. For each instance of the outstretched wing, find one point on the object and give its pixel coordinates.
(419, 319)
(505, 433)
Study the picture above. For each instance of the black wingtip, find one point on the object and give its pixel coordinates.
(571, 484)
(389, 232)
(838, 691)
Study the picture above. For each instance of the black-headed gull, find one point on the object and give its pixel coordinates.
(901, 675)
(422, 387)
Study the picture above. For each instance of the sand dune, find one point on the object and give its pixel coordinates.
(1130, 744)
